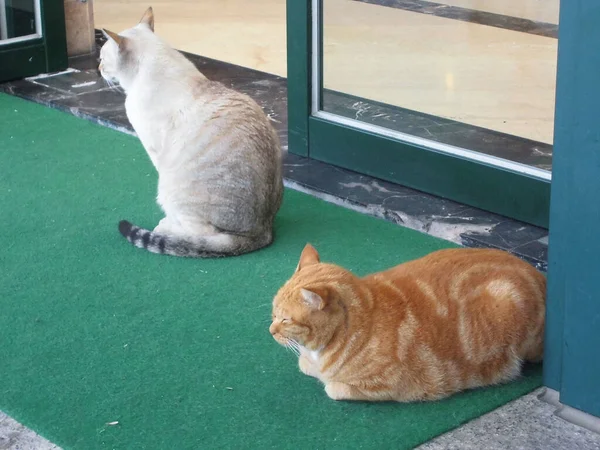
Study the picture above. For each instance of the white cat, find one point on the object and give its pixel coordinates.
(218, 157)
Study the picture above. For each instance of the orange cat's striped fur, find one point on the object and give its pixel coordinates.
(453, 320)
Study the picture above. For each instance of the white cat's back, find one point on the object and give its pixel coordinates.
(218, 157)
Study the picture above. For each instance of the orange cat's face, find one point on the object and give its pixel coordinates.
(305, 311)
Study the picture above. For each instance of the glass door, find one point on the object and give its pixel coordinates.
(32, 38)
(454, 98)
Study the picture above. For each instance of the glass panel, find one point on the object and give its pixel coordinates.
(248, 33)
(19, 20)
(475, 75)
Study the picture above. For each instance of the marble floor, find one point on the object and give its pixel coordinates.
(489, 63)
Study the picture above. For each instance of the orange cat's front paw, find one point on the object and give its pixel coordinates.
(341, 391)
(306, 366)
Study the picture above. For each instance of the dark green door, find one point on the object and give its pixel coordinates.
(331, 124)
(32, 38)
(572, 354)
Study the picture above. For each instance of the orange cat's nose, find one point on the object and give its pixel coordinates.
(273, 329)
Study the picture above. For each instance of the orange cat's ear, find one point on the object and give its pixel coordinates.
(148, 18)
(308, 257)
(119, 40)
(315, 298)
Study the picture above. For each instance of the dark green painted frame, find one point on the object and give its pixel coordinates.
(571, 361)
(466, 181)
(45, 54)
(299, 78)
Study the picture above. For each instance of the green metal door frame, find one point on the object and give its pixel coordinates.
(299, 85)
(572, 351)
(476, 183)
(41, 55)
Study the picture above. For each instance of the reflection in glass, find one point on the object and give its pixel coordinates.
(477, 75)
(18, 19)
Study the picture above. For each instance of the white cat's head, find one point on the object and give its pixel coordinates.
(120, 55)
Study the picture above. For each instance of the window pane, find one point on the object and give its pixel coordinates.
(474, 74)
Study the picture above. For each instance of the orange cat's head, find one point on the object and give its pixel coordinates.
(307, 310)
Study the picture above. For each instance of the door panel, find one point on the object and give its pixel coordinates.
(362, 96)
(32, 38)
(572, 352)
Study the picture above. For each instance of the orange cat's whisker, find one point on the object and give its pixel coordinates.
(293, 346)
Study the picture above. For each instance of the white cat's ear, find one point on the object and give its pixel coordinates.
(119, 40)
(148, 18)
(313, 299)
(308, 257)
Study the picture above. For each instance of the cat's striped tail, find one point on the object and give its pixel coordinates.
(214, 246)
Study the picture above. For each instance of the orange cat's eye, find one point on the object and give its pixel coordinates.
(286, 320)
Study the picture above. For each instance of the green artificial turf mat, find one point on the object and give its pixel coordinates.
(94, 331)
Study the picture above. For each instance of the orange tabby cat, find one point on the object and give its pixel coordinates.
(453, 320)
